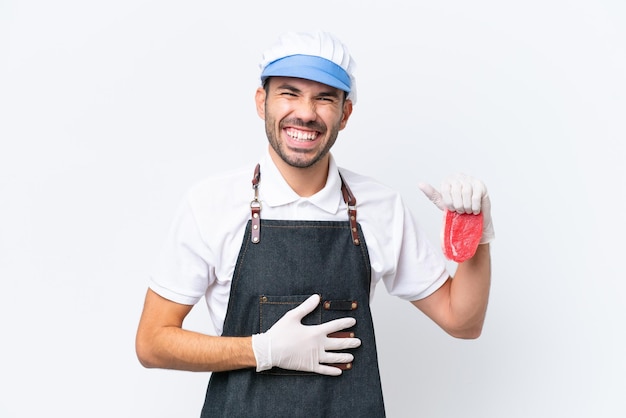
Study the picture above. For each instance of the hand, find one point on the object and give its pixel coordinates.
(290, 345)
(463, 194)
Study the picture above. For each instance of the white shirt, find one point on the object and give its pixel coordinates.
(199, 256)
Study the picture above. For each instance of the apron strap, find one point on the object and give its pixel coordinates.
(350, 200)
(255, 208)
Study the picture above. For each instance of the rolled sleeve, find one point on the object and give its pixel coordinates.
(182, 273)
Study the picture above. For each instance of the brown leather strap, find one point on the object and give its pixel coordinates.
(350, 200)
(340, 305)
(255, 206)
(257, 177)
(342, 366)
(341, 334)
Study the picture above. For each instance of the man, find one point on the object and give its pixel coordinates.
(287, 253)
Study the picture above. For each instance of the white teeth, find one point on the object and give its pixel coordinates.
(301, 136)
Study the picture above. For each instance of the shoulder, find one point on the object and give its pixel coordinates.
(369, 191)
(221, 199)
(233, 183)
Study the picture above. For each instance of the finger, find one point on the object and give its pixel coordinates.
(336, 358)
(336, 325)
(485, 202)
(327, 370)
(467, 193)
(479, 193)
(457, 193)
(341, 343)
(447, 199)
(305, 307)
(432, 194)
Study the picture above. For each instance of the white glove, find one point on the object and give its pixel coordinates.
(463, 194)
(290, 345)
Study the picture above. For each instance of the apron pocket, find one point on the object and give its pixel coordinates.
(272, 308)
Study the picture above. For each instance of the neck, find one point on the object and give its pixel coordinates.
(304, 181)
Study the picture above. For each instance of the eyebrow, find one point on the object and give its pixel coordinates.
(287, 86)
(331, 92)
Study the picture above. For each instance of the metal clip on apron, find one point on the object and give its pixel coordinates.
(280, 264)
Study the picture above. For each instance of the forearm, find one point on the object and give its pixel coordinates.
(469, 294)
(180, 349)
(161, 341)
(460, 304)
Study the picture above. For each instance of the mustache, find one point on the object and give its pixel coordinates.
(312, 125)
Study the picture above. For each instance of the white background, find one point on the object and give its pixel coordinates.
(110, 110)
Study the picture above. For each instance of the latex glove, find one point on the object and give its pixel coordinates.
(463, 194)
(290, 345)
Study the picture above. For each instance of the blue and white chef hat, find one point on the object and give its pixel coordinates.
(317, 56)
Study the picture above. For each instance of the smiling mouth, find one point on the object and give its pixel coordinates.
(299, 135)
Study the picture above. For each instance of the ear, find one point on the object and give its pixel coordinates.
(259, 99)
(347, 111)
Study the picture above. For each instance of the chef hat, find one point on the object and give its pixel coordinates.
(317, 56)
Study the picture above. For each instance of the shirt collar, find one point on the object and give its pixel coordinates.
(274, 190)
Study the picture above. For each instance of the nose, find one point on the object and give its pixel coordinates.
(306, 109)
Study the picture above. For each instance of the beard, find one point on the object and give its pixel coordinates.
(297, 158)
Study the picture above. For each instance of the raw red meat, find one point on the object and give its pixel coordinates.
(461, 235)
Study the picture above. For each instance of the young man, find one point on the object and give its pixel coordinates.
(286, 254)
